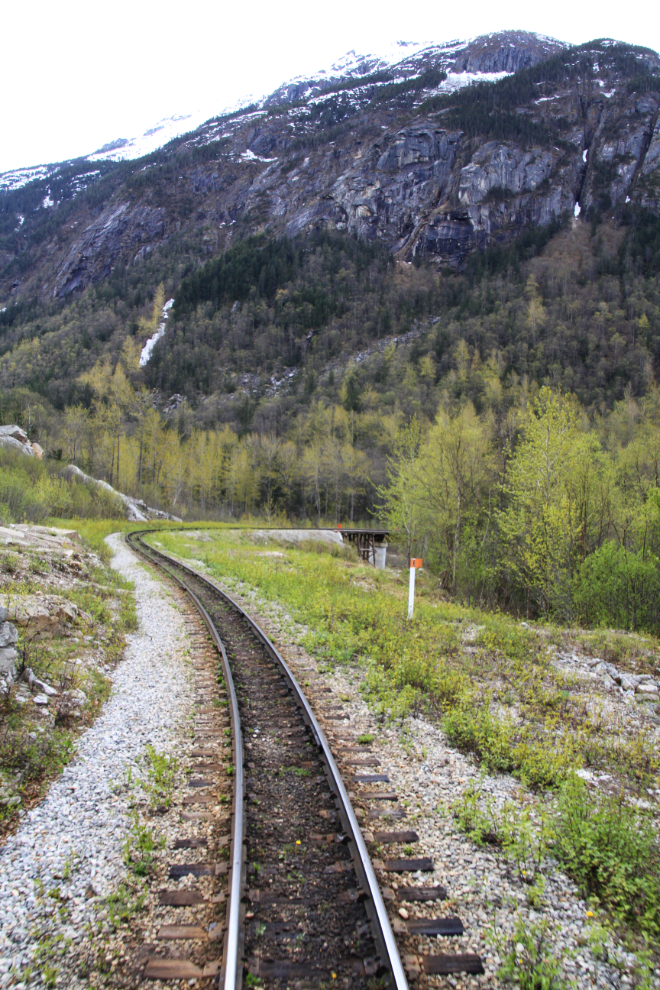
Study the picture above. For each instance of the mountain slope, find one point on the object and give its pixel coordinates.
(423, 170)
(405, 156)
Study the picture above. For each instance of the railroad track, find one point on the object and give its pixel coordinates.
(303, 903)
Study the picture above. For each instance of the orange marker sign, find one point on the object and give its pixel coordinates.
(415, 561)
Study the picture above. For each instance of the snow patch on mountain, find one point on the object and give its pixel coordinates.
(457, 80)
(355, 64)
(147, 350)
(21, 176)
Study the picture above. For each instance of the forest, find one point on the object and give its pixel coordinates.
(504, 422)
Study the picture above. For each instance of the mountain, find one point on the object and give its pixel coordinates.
(429, 153)
(465, 60)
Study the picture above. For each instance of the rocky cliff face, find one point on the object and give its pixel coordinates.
(408, 159)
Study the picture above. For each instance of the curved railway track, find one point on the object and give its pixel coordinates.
(303, 902)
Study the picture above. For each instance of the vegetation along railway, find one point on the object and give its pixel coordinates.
(297, 900)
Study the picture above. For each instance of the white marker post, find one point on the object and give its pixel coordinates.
(415, 562)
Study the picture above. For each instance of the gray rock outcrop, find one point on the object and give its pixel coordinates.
(120, 228)
(35, 684)
(14, 438)
(8, 651)
(136, 509)
(44, 616)
(643, 687)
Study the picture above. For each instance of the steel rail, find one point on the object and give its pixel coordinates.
(363, 863)
(231, 974)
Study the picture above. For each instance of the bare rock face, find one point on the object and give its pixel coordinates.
(60, 547)
(119, 229)
(386, 195)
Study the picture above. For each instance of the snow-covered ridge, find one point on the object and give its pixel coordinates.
(153, 138)
(410, 56)
(355, 64)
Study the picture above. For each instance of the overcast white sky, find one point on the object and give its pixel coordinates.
(75, 75)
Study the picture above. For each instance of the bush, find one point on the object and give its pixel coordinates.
(37, 758)
(32, 490)
(615, 587)
(478, 731)
(611, 850)
(499, 747)
(530, 958)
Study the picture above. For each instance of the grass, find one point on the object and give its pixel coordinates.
(140, 847)
(34, 756)
(94, 531)
(523, 835)
(487, 677)
(530, 958)
(123, 904)
(160, 776)
(609, 848)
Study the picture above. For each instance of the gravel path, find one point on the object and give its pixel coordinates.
(80, 826)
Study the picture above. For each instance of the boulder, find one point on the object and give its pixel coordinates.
(75, 696)
(17, 439)
(648, 689)
(16, 445)
(47, 533)
(37, 685)
(40, 699)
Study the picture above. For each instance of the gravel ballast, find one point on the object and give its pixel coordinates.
(71, 844)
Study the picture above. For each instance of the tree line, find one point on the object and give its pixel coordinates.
(542, 510)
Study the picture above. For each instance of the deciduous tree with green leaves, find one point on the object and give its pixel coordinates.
(540, 526)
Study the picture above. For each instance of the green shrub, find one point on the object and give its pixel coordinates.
(140, 847)
(44, 756)
(476, 816)
(545, 764)
(618, 588)
(611, 850)
(530, 960)
(32, 490)
(161, 772)
(123, 904)
(476, 730)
